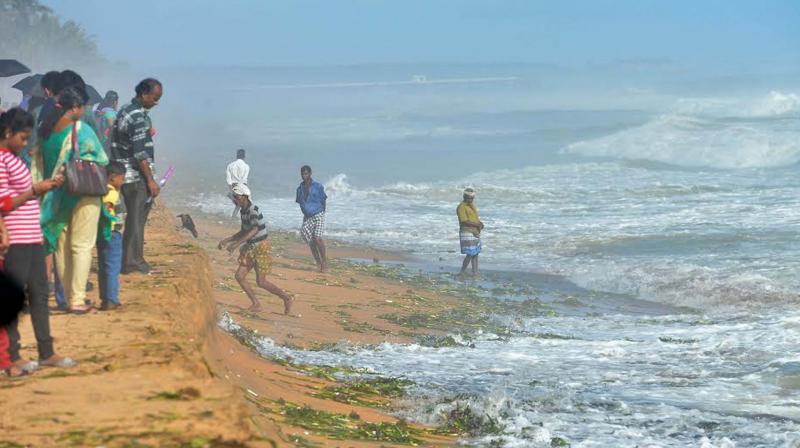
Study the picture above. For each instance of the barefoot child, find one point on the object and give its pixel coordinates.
(109, 240)
(255, 250)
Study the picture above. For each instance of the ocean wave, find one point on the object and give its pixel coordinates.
(771, 105)
(688, 285)
(709, 133)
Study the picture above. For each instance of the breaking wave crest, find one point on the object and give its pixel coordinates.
(710, 133)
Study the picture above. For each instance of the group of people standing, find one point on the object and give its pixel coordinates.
(254, 249)
(47, 228)
(251, 239)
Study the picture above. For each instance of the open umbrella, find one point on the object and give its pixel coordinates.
(12, 67)
(30, 85)
(94, 95)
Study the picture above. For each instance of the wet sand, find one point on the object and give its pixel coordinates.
(159, 372)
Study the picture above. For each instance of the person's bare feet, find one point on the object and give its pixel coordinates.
(255, 307)
(287, 305)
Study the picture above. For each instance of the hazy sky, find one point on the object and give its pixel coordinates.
(723, 36)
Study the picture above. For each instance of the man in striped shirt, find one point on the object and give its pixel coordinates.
(255, 250)
(25, 260)
(132, 145)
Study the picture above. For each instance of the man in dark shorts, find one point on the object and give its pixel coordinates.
(255, 250)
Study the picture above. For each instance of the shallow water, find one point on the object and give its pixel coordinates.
(676, 228)
(619, 380)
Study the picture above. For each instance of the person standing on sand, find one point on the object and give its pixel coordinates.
(312, 199)
(255, 250)
(237, 173)
(105, 115)
(469, 231)
(24, 260)
(132, 144)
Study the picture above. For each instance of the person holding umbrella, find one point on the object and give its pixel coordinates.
(47, 87)
(12, 67)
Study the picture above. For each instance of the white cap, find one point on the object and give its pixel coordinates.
(241, 190)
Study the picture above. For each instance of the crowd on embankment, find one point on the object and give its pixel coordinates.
(72, 177)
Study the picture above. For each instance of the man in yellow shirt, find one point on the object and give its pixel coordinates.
(469, 231)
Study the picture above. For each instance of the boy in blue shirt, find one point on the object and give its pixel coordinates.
(312, 199)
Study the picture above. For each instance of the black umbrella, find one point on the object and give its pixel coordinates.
(12, 67)
(30, 85)
(94, 95)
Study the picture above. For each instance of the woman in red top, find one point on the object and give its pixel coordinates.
(25, 259)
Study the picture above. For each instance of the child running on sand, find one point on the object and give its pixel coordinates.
(255, 250)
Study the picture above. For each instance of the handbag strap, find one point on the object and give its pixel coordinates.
(75, 141)
(63, 155)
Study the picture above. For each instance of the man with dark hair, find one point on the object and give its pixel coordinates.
(313, 200)
(132, 144)
(48, 84)
(237, 174)
(69, 78)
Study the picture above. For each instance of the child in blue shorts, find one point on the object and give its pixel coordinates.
(109, 240)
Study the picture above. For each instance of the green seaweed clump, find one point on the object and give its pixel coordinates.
(363, 392)
(462, 419)
(361, 327)
(429, 340)
(341, 427)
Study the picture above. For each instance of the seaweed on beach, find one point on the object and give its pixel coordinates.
(344, 427)
(361, 327)
(462, 317)
(7, 444)
(557, 442)
(553, 336)
(429, 340)
(182, 394)
(366, 391)
(330, 373)
(464, 420)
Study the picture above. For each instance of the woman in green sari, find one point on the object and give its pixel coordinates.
(69, 222)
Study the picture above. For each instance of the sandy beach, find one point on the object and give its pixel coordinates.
(159, 372)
